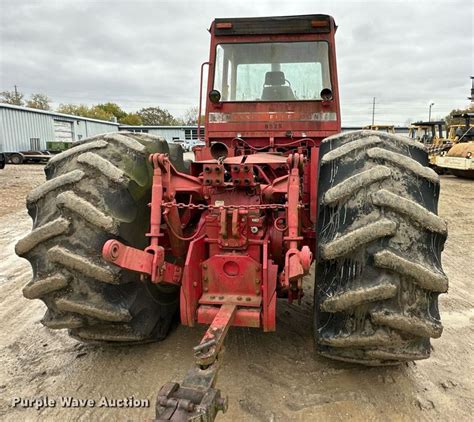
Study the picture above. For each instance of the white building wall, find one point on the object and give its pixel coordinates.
(20, 124)
(168, 133)
(86, 129)
(18, 127)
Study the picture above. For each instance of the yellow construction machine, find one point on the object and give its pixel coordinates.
(459, 158)
(381, 128)
(431, 135)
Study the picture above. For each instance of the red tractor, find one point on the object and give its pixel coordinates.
(126, 234)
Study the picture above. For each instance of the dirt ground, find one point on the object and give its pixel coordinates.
(268, 377)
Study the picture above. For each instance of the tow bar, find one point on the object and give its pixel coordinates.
(196, 399)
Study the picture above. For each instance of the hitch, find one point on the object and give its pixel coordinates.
(196, 399)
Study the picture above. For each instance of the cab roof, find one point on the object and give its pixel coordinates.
(273, 25)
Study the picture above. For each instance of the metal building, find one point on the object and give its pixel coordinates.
(23, 128)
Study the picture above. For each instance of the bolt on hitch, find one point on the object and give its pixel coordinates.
(196, 399)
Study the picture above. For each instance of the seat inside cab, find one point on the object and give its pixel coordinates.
(274, 88)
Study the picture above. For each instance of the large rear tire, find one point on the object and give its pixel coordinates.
(96, 191)
(379, 273)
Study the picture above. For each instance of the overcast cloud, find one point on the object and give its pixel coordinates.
(141, 53)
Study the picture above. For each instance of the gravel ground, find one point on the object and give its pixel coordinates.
(268, 377)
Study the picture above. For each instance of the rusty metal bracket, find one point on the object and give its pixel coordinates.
(152, 264)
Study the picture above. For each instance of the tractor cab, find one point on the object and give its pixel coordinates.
(432, 136)
(381, 128)
(271, 81)
(428, 133)
(457, 159)
(462, 132)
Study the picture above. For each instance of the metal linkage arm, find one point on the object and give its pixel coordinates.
(196, 399)
(213, 340)
(297, 262)
(143, 262)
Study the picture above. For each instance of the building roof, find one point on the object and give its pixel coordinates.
(431, 123)
(53, 113)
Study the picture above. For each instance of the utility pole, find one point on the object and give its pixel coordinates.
(16, 92)
(373, 111)
(429, 113)
(472, 90)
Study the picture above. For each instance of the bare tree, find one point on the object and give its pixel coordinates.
(190, 117)
(12, 97)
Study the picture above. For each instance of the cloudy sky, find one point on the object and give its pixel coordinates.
(141, 53)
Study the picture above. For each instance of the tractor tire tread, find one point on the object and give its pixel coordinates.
(380, 239)
(97, 190)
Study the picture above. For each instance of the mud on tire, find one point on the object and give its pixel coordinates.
(96, 191)
(379, 271)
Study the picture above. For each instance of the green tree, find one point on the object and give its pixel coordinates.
(85, 111)
(451, 120)
(132, 119)
(12, 97)
(156, 116)
(95, 112)
(39, 101)
(74, 109)
(112, 109)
